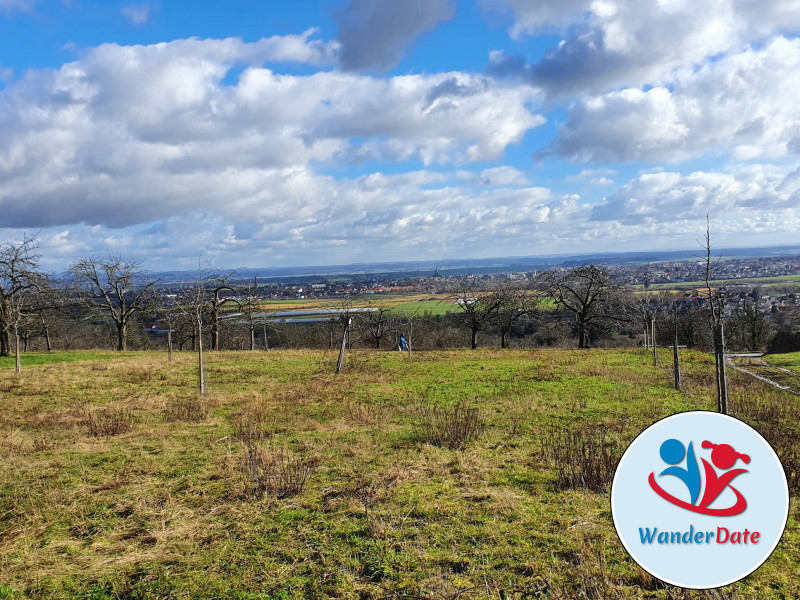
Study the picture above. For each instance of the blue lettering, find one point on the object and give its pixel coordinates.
(687, 537)
(647, 537)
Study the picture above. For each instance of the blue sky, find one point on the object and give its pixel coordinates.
(294, 133)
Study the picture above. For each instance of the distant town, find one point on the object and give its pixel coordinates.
(684, 275)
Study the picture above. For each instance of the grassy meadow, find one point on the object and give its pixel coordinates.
(399, 304)
(118, 481)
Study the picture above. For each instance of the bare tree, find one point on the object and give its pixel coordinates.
(587, 292)
(477, 309)
(756, 328)
(193, 305)
(716, 304)
(216, 284)
(19, 277)
(378, 323)
(249, 303)
(515, 303)
(119, 285)
(49, 299)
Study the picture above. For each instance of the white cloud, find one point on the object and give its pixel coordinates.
(611, 43)
(748, 193)
(535, 17)
(743, 105)
(6, 74)
(139, 13)
(502, 176)
(131, 135)
(298, 217)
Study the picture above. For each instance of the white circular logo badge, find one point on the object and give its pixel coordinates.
(699, 500)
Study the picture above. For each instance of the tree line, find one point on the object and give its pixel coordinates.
(112, 302)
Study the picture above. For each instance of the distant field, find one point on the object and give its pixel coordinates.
(117, 481)
(691, 285)
(401, 303)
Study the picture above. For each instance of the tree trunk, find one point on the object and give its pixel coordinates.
(46, 333)
(340, 362)
(583, 337)
(653, 339)
(474, 340)
(215, 334)
(676, 365)
(169, 343)
(252, 337)
(410, 333)
(122, 341)
(215, 322)
(266, 343)
(722, 383)
(201, 381)
(5, 345)
(503, 333)
(18, 362)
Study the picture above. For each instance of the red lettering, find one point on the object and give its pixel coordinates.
(720, 539)
(736, 537)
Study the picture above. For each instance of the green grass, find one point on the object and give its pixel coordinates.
(159, 511)
(780, 280)
(790, 360)
(42, 358)
(425, 307)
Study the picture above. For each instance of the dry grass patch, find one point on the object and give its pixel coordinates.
(190, 409)
(104, 422)
(275, 472)
(583, 458)
(448, 426)
(253, 422)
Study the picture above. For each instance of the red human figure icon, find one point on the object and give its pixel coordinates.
(724, 457)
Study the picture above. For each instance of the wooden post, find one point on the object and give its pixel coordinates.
(340, 362)
(201, 382)
(676, 363)
(722, 382)
(653, 336)
(410, 333)
(169, 342)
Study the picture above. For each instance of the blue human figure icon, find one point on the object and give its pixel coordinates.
(672, 452)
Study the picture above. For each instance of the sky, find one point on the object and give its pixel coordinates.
(257, 133)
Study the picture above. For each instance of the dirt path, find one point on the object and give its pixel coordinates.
(754, 365)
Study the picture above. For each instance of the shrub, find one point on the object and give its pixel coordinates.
(191, 409)
(269, 472)
(582, 458)
(253, 422)
(449, 427)
(109, 421)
